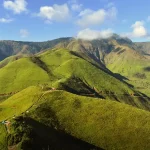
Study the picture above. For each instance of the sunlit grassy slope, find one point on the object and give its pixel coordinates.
(19, 103)
(64, 65)
(54, 66)
(21, 74)
(104, 123)
(47, 118)
(132, 65)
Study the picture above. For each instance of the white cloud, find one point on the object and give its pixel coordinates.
(17, 6)
(55, 12)
(138, 31)
(24, 33)
(4, 20)
(88, 34)
(89, 17)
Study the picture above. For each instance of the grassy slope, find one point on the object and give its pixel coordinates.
(96, 78)
(56, 67)
(103, 123)
(106, 124)
(19, 102)
(21, 74)
(64, 65)
(132, 65)
(22, 102)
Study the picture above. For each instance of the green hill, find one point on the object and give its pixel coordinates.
(120, 55)
(131, 64)
(56, 68)
(78, 95)
(58, 114)
(21, 74)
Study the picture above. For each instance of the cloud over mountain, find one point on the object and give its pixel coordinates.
(88, 34)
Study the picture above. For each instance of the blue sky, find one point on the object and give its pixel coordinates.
(42, 20)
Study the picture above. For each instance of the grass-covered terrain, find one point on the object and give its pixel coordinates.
(131, 64)
(99, 122)
(54, 68)
(21, 74)
(19, 103)
(66, 98)
(60, 115)
(120, 55)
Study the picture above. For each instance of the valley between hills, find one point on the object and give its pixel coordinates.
(73, 94)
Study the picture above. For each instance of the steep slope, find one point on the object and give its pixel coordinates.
(19, 102)
(95, 49)
(103, 123)
(120, 55)
(58, 67)
(66, 98)
(131, 64)
(21, 74)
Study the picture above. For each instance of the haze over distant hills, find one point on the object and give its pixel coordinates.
(8, 48)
